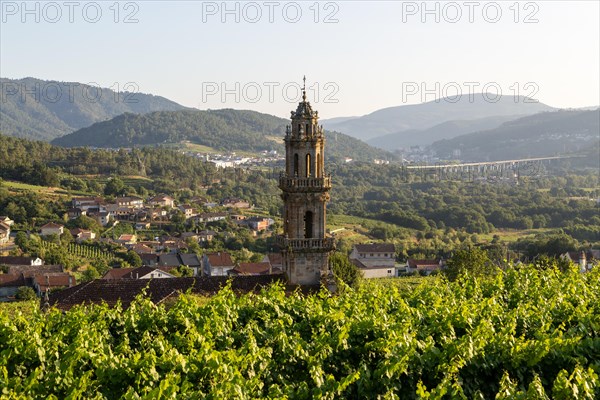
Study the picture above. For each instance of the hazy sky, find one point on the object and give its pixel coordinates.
(361, 56)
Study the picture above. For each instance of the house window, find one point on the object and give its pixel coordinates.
(385, 255)
(371, 254)
(389, 271)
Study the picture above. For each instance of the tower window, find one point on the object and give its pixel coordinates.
(307, 131)
(308, 166)
(308, 225)
(318, 169)
(296, 164)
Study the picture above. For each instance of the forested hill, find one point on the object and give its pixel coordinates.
(544, 134)
(43, 110)
(226, 130)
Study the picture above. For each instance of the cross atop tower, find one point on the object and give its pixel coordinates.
(304, 89)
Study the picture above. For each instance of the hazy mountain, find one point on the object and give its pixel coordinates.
(445, 130)
(426, 115)
(228, 130)
(336, 120)
(43, 110)
(543, 134)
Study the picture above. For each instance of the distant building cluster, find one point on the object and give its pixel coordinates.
(232, 160)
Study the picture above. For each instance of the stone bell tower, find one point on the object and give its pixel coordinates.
(305, 188)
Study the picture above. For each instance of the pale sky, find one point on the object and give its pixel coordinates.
(362, 56)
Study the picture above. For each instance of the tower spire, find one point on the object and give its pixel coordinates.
(304, 89)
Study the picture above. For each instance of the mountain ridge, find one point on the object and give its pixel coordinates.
(225, 129)
(45, 109)
(538, 135)
(391, 120)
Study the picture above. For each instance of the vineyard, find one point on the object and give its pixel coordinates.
(523, 334)
(89, 252)
(78, 252)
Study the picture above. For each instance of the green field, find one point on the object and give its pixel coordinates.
(512, 235)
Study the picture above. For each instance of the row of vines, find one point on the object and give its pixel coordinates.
(522, 334)
(89, 251)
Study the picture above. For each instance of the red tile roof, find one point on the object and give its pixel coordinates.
(260, 268)
(221, 259)
(53, 280)
(12, 280)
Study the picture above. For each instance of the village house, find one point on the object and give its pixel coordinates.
(234, 202)
(375, 260)
(374, 254)
(259, 224)
(425, 267)
(74, 213)
(162, 200)
(187, 210)
(121, 213)
(210, 217)
(4, 233)
(52, 229)
(173, 260)
(129, 201)
(127, 239)
(217, 264)
(82, 234)
(88, 204)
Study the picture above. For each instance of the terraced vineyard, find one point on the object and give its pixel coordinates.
(521, 334)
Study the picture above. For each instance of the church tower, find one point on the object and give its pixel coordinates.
(305, 188)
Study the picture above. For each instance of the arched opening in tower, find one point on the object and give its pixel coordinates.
(308, 166)
(296, 164)
(308, 225)
(318, 169)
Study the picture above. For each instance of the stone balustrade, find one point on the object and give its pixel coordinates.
(288, 183)
(306, 244)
